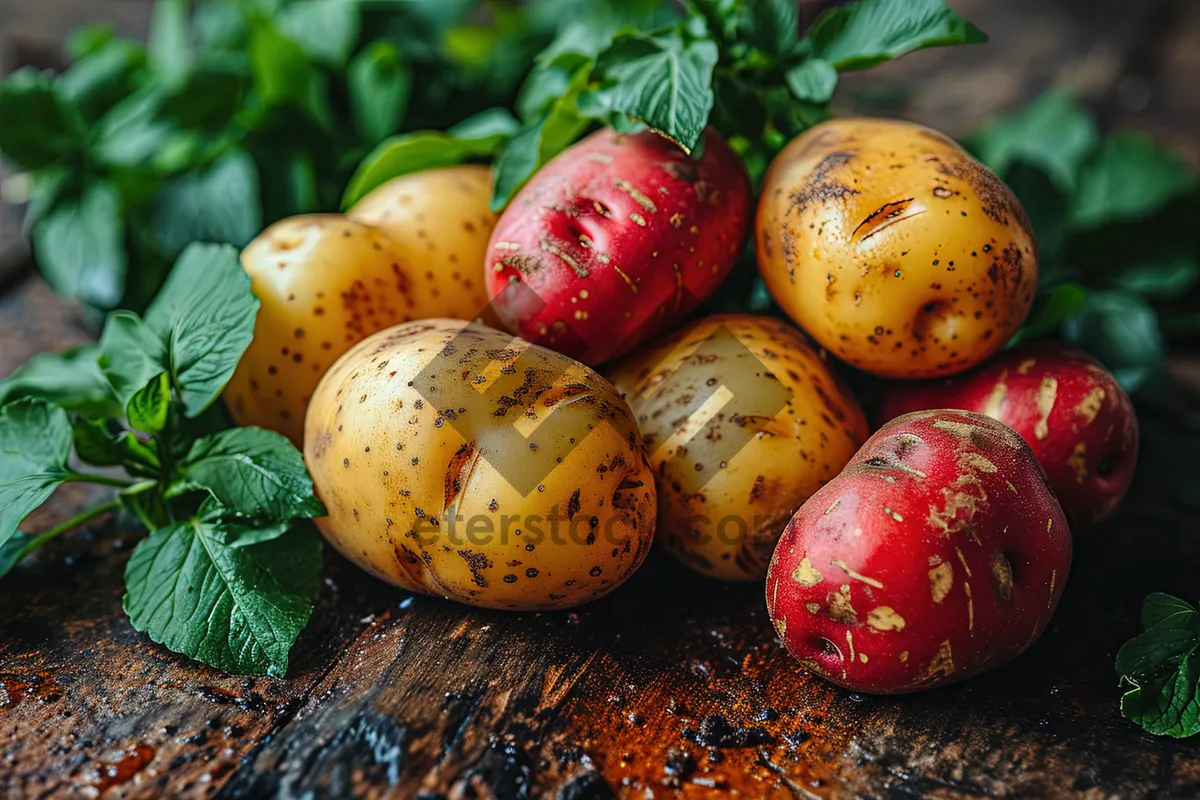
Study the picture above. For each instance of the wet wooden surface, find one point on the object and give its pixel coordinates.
(672, 687)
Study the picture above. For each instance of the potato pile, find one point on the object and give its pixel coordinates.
(494, 468)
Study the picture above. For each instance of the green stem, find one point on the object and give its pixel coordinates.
(73, 522)
(103, 480)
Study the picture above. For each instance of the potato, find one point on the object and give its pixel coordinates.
(893, 248)
(618, 238)
(938, 554)
(729, 481)
(440, 219)
(325, 282)
(459, 461)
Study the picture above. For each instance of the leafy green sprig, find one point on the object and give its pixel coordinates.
(231, 569)
(741, 65)
(1160, 669)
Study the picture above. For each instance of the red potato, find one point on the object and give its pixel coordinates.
(618, 237)
(1072, 412)
(938, 554)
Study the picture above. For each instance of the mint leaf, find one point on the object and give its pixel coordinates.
(536, 144)
(95, 442)
(49, 127)
(325, 29)
(1121, 330)
(1168, 278)
(12, 551)
(662, 80)
(35, 442)
(80, 246)
(421, 150)
(99, 80)
(217, 204)
(1053, 133)
(168, 48)
(149, 407)
(379, 84)
(1130, 178)
(71, 379)
(813, 81)
(253, 472)
(204, 316)
(1160, 669)
(869, 32)
(1050, 310)
(131, 354)
(282, 72)
(773, 25)
(237, 609)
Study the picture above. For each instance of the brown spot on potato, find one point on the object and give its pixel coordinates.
(819, 187)
(1002, 575)
(1047, 393)
(941, 580)
(1077, 461)
(806, 574)
(840, 608)
(885, 618)
(1090, 405)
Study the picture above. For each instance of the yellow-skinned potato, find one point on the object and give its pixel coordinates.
(893, 248)
(458, 461)
(743, 421)
(325, 282)
(440, 218)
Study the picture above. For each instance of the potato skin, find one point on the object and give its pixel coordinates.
(938, 554)
(893, 248)
(725, 496)
(619, 237)
(1072, 412)
(410, 485)
(441, 221)
(325, 282)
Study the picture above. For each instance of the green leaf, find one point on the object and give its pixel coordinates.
(282, 71)
(145, 501)
(1160, 669)
(131, 355)
(210, 94)
(98, 81)
(536, 144)
(869, 32)
(774, 25)
(1122, 331)
(204, 316)
(1167, 279)
(325, 29)
(1130, 178)
(413, 152)
(11, 552)
(71, 379)
(168, 49)
(237, 609)
(95, 442)
(1161, 609)
(84, 41)
(49, 130)
(254, 472)
(149, 407)
(379, 84)
(1047, 208)
(660, 80)
(218, 204)
(813, 81)
(1053, 133)
(132, 134)
(1050, 310)
(35, 442)
(79, 245)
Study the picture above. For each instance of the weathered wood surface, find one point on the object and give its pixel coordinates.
(673, 686)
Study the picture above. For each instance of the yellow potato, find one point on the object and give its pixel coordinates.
(440, 218)
(743, 421)
(325, 282)
(458, 461)
(893, 248)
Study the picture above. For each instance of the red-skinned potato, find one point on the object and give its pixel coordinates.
(1072, 412)
(893, 248)
(938, 554)
(618, 237)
